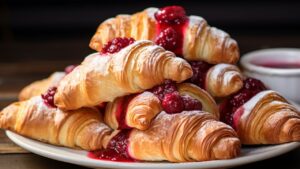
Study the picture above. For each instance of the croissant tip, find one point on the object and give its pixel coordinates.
(232, 50)
(296, 133)
(227, 148)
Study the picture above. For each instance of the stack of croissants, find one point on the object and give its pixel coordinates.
(162, 86)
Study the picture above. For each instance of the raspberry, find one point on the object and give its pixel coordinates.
(171, 15)
(48, 97)
(167, 39)
(116, 44)
(173, 103)
(168, 87)
(190, 103)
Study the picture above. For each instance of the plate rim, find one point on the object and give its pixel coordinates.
(32, 146)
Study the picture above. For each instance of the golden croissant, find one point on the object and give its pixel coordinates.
(102, 78)
(38, 87)
(133, 111)
(138, 110)
(200, 42)
(182, 137)
(267, 118)
(223, 80)
(82, 128)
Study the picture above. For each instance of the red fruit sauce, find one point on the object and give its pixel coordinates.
(48, 97)
(231, 107)
(70, 68)
(117, 149)
(116, 44)
(122, 111)
(279, 64)
(171, 24)
(200, 70)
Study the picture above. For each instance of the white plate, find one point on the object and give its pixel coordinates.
(79, 157)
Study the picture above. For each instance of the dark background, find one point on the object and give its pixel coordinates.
(40, 37)
(60, 30)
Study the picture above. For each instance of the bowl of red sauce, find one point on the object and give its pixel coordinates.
(278, 68)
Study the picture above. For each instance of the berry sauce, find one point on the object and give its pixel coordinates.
(48, 97)
(171, 24)
(230, 109)
(122, 110)
(116, 150)
(172, 101)
(116, 44)
(200, 70)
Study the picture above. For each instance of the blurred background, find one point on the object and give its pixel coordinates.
(39, 37)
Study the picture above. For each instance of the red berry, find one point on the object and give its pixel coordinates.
(190, 103)
(116, 44)
(48, 97)
(228, 107)
(167, 39)
(70, 68)
(200, 69)
(171, 15)
(173, 103)
(168, 87)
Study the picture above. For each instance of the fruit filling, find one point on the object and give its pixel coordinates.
(116, 44)
(172, 101)
(116, 150)
(121, 111)
(200, 70)
(229, 107)
(48, 97)
(171, 24)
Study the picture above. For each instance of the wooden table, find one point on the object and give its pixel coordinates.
(14, 76)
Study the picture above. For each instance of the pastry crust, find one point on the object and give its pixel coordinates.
(268, 118)
(183, 137)
(223, 80)
(201, 42)
(39, 87)
(82, 128)
(102, 78)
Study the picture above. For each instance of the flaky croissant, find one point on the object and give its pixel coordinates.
(223, 80)
(133, 111)
(267, 118)
(38, 87)
(200, 41)
(182, 137)
(82, 128)
(102, 78)
(138, 110)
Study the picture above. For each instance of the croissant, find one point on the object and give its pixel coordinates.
(102, 78)
(133, 111)
(41, 86)
(82, 128)
(223, 80)
(200, 42)
(137, 111)
(267, 118)
(182, 137)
